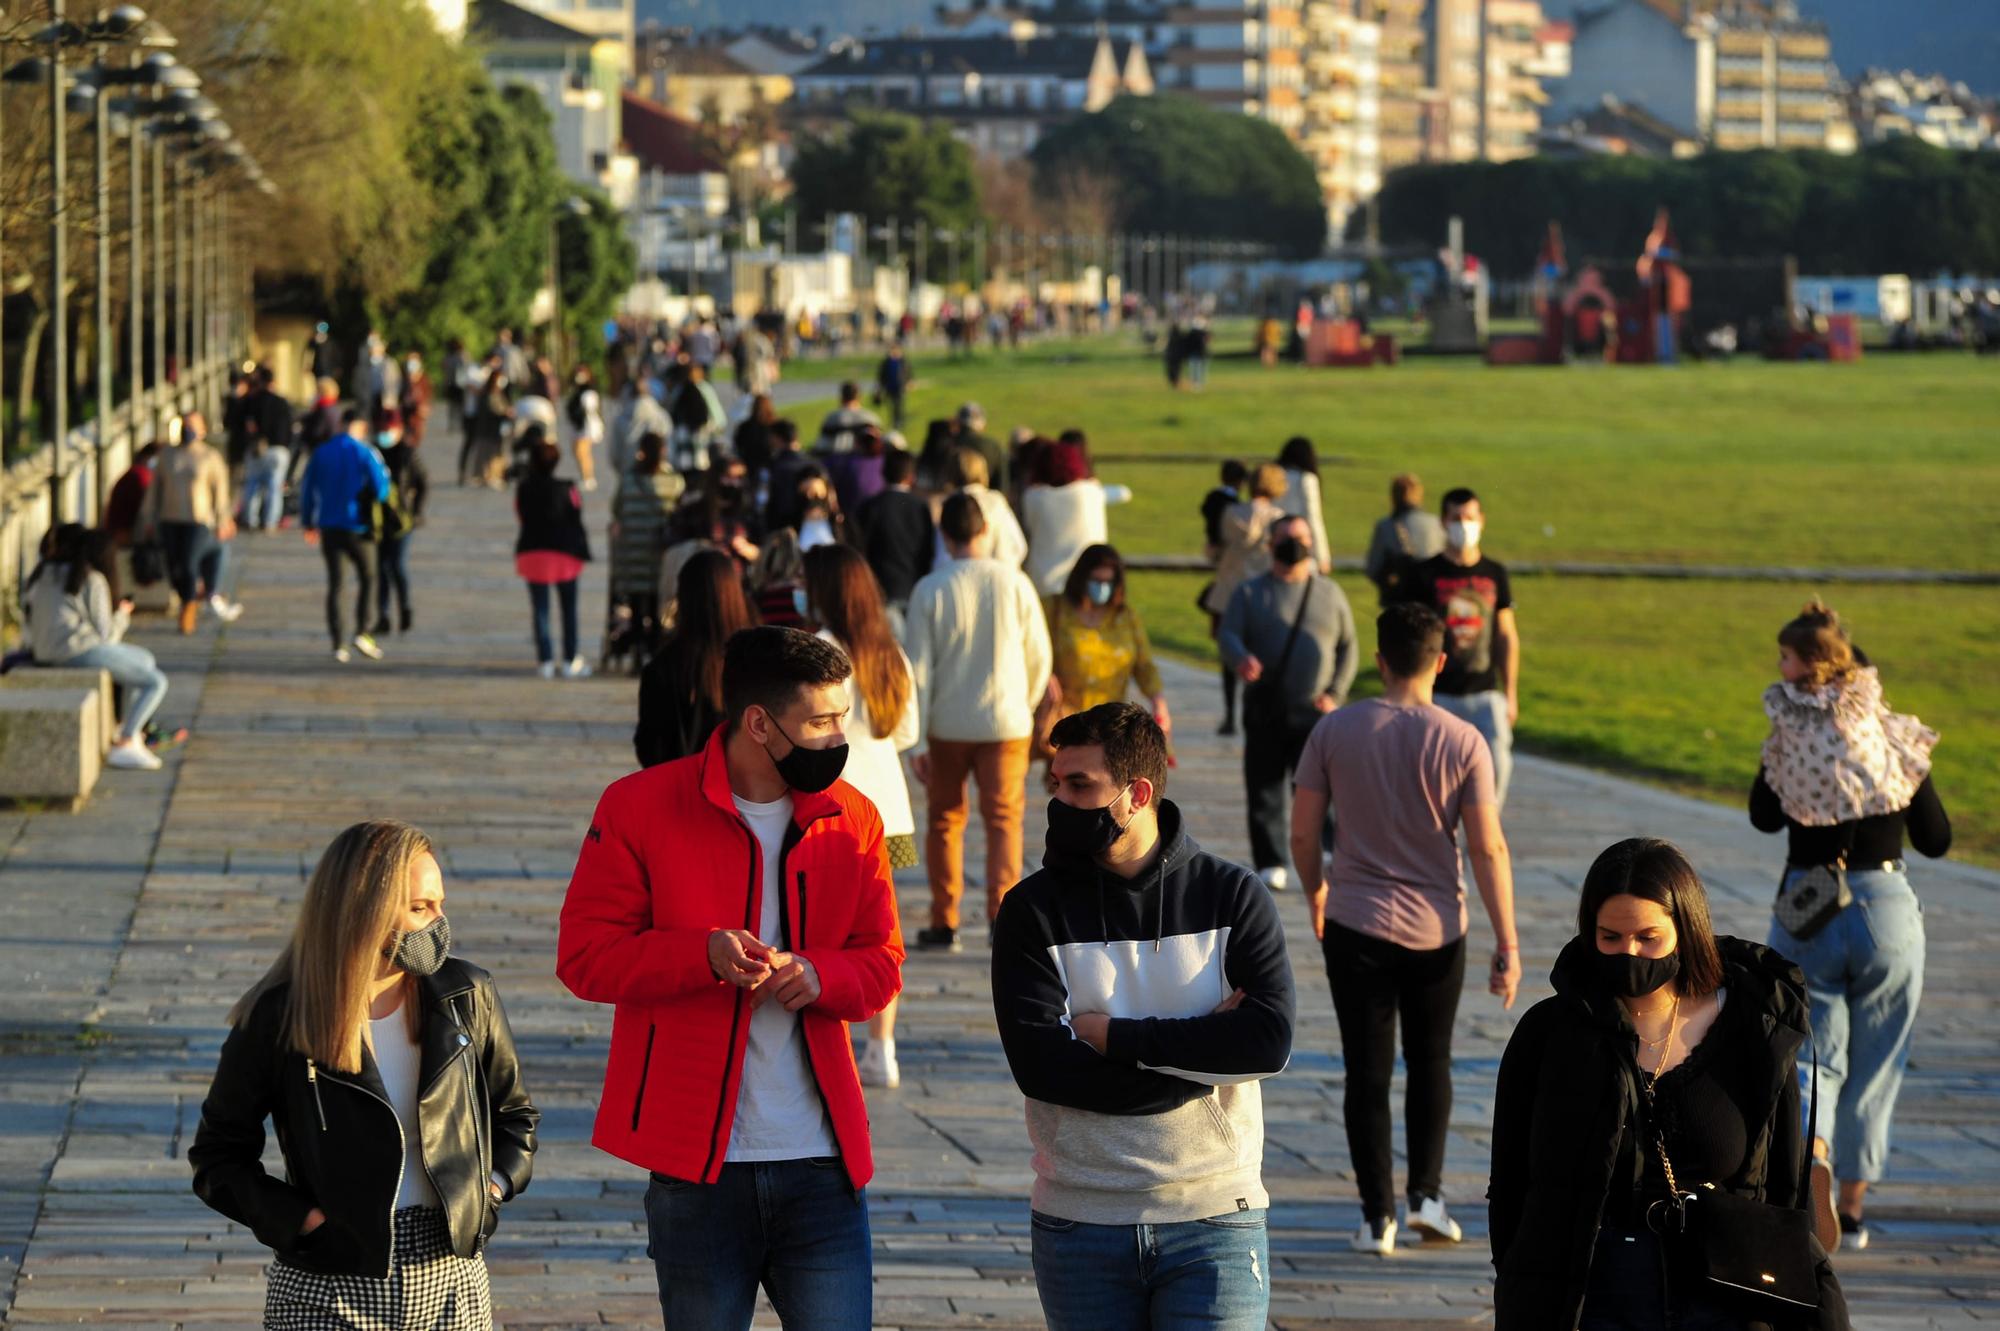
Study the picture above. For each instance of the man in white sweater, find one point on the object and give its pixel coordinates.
(979, 655)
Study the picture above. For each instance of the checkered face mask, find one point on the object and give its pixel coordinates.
(422, 951)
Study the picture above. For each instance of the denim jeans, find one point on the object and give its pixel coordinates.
(392, 570)
(1865, 974)
(796, 1227)
(264, 488)
(1631, 1289)
(1192, 1273)
(1488, 713)
(538, 601)
(133, 668)
(195, 559)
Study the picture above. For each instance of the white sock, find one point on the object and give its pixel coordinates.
(887, 1046)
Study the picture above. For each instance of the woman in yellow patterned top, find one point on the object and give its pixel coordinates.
(1100, 646)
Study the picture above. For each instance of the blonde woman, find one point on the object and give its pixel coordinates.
(388, 1070)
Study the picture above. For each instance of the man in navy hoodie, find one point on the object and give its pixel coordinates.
(1142, 990)
(343, 482)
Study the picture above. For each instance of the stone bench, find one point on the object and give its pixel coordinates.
(44, 678)
(50, 746)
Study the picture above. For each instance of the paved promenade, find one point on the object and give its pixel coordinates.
(127, 930)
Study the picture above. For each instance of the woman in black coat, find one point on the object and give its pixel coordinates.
(1656, 1022)
(550, 552)
(388, 1070)
(680, 691)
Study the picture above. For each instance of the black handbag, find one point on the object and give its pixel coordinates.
(1759, 1258)
(1807, 904)
(1264, 702)
(149, 562)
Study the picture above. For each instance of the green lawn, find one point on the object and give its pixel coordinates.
(1892, 462)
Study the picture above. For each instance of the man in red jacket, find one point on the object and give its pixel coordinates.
(736, 908)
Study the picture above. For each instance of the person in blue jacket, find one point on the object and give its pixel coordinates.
(342, 484)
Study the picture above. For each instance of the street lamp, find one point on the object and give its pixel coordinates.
(574, 206)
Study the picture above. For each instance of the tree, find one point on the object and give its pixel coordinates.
(1902, 207)
(886, 167)
(1171, 164)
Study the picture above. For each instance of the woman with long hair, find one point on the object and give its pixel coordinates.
(1101, 649)
(1301, 498)
(388, 1069)
(1847, 780)
(551, 551)
(1663, 1071)
(680, 691)
(846, 602)
(77, 619)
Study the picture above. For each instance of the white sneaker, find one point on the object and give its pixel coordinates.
(1431, 1221)
(132, 755)
(877, 1064)
(578, 668)
(1277, 878)
(547, 670)
(590, 484)
(366, 646)
(342, 655)
(1378, 1237)
(226, 610)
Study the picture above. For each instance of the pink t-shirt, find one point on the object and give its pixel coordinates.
(1397, 779)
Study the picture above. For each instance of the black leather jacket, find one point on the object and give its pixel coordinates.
(341, 1140)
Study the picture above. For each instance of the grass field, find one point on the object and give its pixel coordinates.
(1894, 462)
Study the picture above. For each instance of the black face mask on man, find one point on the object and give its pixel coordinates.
(1628, 976)
(422, 951)
(809, 770)
(1084, 833)
(1291, 550)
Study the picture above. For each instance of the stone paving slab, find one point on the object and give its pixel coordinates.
(138, 921)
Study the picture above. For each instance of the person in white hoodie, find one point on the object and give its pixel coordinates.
(1063, 510)
(1007, 544)
(979, 653)
(843, 598)
(76, 620)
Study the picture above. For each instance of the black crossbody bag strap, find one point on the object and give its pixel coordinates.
(1278, 670)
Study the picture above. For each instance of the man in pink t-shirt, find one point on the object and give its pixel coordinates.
(1400, 776)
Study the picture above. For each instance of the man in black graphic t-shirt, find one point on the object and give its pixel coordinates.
(1481, 677)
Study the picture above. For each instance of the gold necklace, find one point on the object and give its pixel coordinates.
(1667, 1041)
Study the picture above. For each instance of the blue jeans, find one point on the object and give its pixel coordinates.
(133, 668)
(1488, 713)
(1191, 1273)
(1865, 974)
(538, 599)
(264, 488)
(796, 1227)
(392, 574)
(195, 559)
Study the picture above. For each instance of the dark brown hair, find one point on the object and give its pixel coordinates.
(1656, 871)
(1134, 745)
(709, 609)
(1817, 636)
(1093, 558)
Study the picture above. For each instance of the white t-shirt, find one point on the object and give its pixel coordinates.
(779, 1112)
(399, 1060)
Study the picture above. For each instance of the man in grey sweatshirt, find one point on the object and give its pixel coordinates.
(1289, 634)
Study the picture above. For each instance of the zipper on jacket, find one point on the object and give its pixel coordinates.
(800, 944)
(312, 1080)
(645, 1065)
(402, 1157)
(736, 1012)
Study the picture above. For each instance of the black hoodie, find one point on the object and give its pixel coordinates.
(1569, 1091)
(1167, 1125)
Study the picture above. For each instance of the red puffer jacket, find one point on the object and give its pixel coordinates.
(667, 862)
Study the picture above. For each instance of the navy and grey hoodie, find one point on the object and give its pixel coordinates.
(1168, 1124)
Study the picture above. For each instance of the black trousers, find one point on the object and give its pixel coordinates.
(1375, 982)
(339, 548)
(1270, 756)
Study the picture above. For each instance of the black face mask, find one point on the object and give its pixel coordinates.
(422, 951)
(1083, 833)
(1628, 976)
(809, 770)
(1289, 551)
